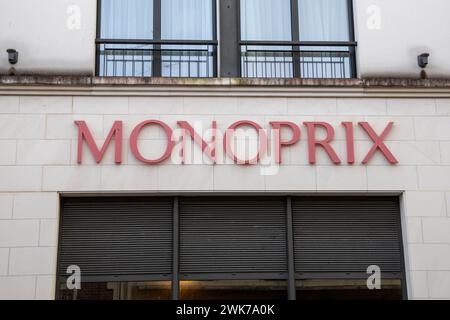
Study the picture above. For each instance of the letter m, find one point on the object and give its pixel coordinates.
(84, 134)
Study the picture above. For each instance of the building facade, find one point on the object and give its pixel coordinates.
(225, 149)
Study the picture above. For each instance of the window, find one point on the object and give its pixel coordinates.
(258, 38)
(150, 38)
(268, 20)
(148, 290)
(297, 38)
(347, 289)
(234, 290)
(324, 20)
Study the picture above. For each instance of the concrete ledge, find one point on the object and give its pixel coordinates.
(46, 85)
(45, 80)
(87, 81)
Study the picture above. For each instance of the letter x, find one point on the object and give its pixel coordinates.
(378, 142)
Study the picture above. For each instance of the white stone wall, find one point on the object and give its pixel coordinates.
(28, 244)
(38, 160)
(391, 34)
(52, 36)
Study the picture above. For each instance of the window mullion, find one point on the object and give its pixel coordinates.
(351, 27)
(156, 65)
(230, 65)
(98, 36)
(295, 32)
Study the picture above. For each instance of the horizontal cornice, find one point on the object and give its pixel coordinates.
(130, 86)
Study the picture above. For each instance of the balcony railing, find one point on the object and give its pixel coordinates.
(198, 59)
(287, 59)
(149, 58)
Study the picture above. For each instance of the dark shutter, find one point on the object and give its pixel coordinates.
(342, 236)
(232, 235)
(116, 236)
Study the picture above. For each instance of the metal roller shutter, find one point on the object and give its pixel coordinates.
(116, 236)
(342, 236)
(233, 235)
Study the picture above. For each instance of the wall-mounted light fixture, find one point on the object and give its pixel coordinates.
(422, 60)
(13, 56)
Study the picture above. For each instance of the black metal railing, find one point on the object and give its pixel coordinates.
(198, 59)
(289, 59)
(153, 58)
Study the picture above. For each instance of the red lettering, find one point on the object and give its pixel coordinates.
(262, 146)
(277, 125)
(85, 134)
(313, 142)
(211, 152)
(135, 135)
(210, 148)
(378, 143)
(350, 142)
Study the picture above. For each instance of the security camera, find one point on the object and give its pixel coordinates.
(13, 56)
(423, 60)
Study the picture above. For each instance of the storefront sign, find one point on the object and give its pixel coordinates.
(264, 143)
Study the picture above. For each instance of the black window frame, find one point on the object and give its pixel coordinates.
(230, 64)
(157, 42)
(296, 43)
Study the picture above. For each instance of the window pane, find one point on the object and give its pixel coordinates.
(266, 20)
(127, 19)
(187, 61)
(187, 19)
(323, 20)
(347, 289)
(149, 290)
(234, 290)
